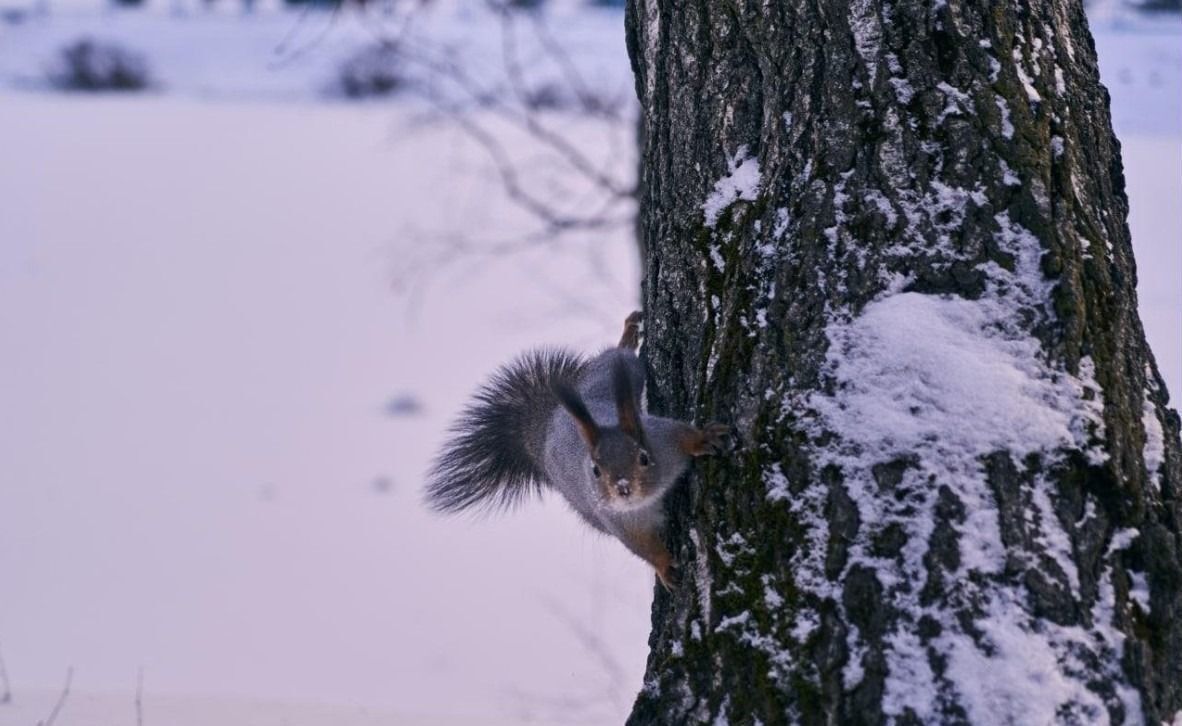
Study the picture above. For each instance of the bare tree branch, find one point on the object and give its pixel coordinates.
(592, 102)
(492, 110)
(444, 66)
(568, 151)
(286, 56)
(61, 699)
(587, 706)
(593, 645)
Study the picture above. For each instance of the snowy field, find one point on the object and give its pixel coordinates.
(208, 468)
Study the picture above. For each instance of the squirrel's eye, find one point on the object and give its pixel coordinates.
(643, 458)
(595, 470)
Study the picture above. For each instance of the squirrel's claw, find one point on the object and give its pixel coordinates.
(714, 438)
(670, 577)
(717, 438)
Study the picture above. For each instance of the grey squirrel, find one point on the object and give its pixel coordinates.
(553, 419)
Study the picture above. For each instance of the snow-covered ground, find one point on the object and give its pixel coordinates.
(83, 709)
(200, 339)
(199, 475)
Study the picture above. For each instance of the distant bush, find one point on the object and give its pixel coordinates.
(93, 65)
(14, 15)
(1167, 6)
(548, 97)
(325, 4)
(373, 71)
(559, 96)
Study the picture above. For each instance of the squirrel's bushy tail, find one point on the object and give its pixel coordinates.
(494, 456)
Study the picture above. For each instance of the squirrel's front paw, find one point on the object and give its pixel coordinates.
(717, 438)
(714, 438)
(670, 577)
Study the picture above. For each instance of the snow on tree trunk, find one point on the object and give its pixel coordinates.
(888, 241)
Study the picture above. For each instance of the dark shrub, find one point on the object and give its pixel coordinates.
(93, 65)
(322, 4)
(370, 72)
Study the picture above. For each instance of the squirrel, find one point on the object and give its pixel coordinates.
(553, 419)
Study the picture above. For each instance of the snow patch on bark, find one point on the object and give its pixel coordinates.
(776, 484)
(908, 671)
(717, 258)
(916, 370)
(1009, 178)
(903, 90)
(745, 630)
(1007, 126)
(808, 563)
(1154, 452)
(1026, 671)
(731, 548)
(1027, 82)
(723, 718)
(742, 182)
(1139, 590)
(1090, 430)
(772, 599)
(1054, 539)
(941, 382)
(782, 221)
(956, 101)
(652, 39)
(994, 68)
(883, 205)
(1103, 617)
(704, 578)
(867, 30)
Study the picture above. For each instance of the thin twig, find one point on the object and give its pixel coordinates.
(61, 699)
(6, 695)
(594, 645)
(298, 52)
(139, 697)
(563, 60)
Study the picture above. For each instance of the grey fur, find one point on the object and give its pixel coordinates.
(491, 460)
(516, 438)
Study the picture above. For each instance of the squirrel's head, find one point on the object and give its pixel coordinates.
(619, 458)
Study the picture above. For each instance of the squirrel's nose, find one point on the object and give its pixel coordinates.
(623, 487)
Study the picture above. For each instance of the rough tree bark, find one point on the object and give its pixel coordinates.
(888, 241)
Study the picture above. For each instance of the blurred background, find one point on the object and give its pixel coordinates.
(254, 256)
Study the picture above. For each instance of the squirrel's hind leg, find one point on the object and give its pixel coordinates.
(631, 337)
(647, 544)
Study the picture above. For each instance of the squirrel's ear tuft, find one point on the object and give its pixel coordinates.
(573, 403)
(626, 405)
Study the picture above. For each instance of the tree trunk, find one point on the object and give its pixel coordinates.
(888, 241)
